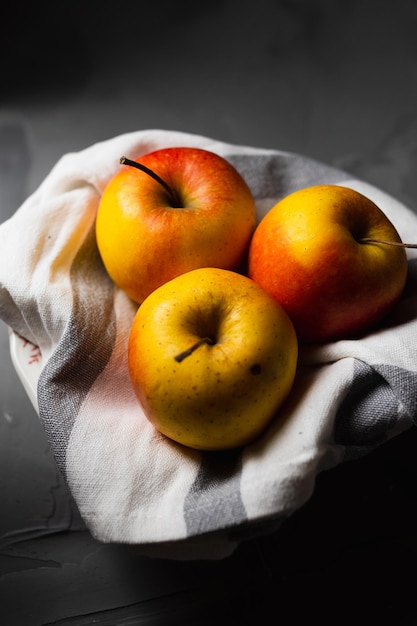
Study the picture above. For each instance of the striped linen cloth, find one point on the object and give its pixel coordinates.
(131, 484)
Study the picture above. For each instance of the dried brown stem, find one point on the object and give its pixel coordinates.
(399, 244)
(175, 200)
(183, 355)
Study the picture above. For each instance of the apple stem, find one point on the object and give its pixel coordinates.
(183, 355)
(125, 161)
(399, 244)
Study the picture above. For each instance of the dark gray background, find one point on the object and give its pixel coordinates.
(332, 79)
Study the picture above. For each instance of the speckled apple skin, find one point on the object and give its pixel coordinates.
(223, 395)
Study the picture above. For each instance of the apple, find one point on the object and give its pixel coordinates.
(211, 358)
(171, 211)
(332, 258)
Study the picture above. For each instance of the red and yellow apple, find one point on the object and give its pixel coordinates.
(183, 209)
(330, 256)
(211, 357)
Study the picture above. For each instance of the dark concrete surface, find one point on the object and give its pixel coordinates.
(332, 79)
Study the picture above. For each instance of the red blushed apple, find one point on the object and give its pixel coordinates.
(171, 211)
(332, 259)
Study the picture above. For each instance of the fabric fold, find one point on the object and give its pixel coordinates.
(131, 484)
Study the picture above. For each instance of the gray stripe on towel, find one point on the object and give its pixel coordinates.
(215, 494)
(371, 408)
(278, 174)
(83, 351)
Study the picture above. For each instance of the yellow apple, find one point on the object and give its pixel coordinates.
(332, 258)
(212, 357)
(171, 211)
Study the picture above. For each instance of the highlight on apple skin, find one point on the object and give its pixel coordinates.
(190, 208)
(212, 358)
(332, 258)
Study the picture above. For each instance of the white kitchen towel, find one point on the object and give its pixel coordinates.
(131, 484)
